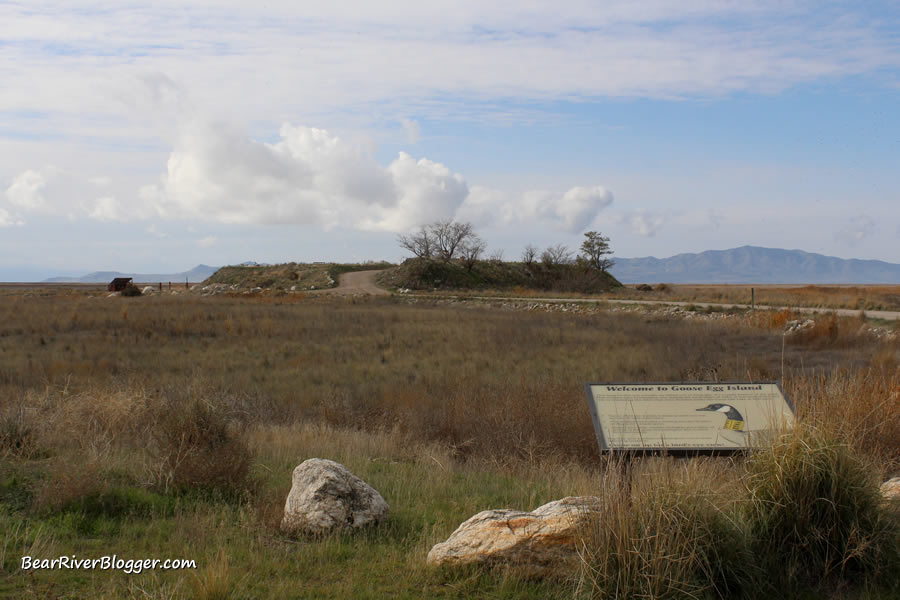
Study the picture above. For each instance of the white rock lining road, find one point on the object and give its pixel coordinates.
(363, 282)
(887, 315)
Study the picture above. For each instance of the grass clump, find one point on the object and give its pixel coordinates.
(199, 448)
(131, 290)
(817, 518)
(668, 532)
(17, 436)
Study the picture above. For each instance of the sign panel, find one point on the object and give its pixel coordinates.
(682, 417)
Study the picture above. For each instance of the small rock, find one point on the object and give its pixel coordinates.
(256, 290)
(148, 290)
(891, 488)
(541, 539)
(325, 496)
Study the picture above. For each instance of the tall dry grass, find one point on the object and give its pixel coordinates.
(817, 517)
(667, 530)
(504, 384)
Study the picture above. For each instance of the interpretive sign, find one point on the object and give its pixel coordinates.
(686, 417)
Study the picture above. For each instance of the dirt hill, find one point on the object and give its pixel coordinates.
(288, 276)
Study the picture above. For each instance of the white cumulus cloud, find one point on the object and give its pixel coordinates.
(26, 190)
(50, 190)
(107, 208)
(215, 172)
(8, 220)
(309, 176)
(572, 211)
(643, 222)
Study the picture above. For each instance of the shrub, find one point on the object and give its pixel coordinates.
(67, 483)
(198, 447)
(131, 290)
(817, 517)
(17, 437)
(644, 288)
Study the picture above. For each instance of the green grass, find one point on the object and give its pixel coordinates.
(427, 504)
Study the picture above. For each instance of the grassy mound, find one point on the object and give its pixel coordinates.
(301, 276)
(423, 274)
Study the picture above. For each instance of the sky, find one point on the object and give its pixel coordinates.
(150, 137)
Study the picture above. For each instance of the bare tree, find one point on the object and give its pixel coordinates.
(497, 256)
(470, 250)
(441, 239)
(529, 254)
(421, 243)
(556, 255)
(448, 235)
(594, 251)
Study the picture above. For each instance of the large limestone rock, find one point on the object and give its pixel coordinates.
(541, 539)
(325, 496)
(891, 489)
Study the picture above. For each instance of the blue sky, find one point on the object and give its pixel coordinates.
(141, 137)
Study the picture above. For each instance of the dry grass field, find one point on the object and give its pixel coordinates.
(853, 297)
(168, 427)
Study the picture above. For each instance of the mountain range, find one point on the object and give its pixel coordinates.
(752, 264)
(198, 273)
(747, 264)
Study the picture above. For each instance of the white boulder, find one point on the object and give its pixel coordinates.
(891, 488)
(541, 539)
(325, 496)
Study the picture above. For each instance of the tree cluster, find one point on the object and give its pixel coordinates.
(447, 239)
(594, 254)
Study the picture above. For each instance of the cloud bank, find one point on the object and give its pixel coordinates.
(68, 59)
(216, 173)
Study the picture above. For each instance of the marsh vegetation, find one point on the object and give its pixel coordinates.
(167, 427)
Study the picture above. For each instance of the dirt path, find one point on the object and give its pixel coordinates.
(357, 283)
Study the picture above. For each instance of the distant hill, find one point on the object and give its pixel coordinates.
(198, 273)
(752, 264)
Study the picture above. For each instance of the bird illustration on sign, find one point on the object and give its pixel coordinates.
(734, 420)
